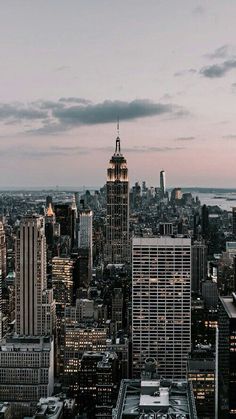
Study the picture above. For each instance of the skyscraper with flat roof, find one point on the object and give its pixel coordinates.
(31, 277)
(161, 304)
(3, 256)
(162, 183)
(227, 357)
(117, 219)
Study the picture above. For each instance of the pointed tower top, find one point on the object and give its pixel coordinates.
(50, 212)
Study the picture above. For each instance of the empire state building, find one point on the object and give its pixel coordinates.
(117, 227)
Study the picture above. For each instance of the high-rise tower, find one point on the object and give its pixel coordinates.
(163, 183)
(31, 278)
(161, 304)
(3, 258)
(117, 230)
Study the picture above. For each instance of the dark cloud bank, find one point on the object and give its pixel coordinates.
(52, 117)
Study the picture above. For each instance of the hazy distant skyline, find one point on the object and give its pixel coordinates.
(68, 69)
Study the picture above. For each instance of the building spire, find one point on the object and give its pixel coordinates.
(118, 138)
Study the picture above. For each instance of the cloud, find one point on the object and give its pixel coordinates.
(46, 117)
(108, 111)
(221, 52)
(218, 70)
(185, 139)
(75, 100)
(19, 112)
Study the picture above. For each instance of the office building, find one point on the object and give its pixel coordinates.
(117, 219)
(66, 216)
(201, 374)
(155, 398)
(27, 368)
(205, 222)
(31, 277)
(176, 195)
(162, 183)
(117, 308)
(79, 339)
(85, 227)
(98, 383)
(3, 251)
(62, 282)
(227, 357)
(234, 221)
(199, 265)
(161, 304)
(86, 235)
(1, 307)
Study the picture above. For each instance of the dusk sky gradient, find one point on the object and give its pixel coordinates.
(69, 68)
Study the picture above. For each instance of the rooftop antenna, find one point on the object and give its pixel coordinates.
(118, 126)
(118, 138)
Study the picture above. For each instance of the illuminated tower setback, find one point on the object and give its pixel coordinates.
(117, 229)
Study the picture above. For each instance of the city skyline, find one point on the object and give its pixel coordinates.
(167, 70)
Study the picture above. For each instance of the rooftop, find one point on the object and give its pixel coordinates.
(229, 304)
(155, 399)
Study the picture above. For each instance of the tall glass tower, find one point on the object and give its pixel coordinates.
(117, 228)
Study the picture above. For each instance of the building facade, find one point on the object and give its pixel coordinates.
(161, 304)
(227, 357)
(117, 219)
(30, 276)
(27, 368)
(3, 251)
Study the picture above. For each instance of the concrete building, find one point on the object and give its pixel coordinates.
(86, 236)
(161, 304)
(62, 282)
(98, 383)
(83, 311)
(234, 221)
(201, 374)
(162, 183)
(86, 228)
(31, 278)
(117, 219)
(3, 251)
(27, 368)
(162, 399)
(199, 265)
(117, 308)
(79, 339)
(227, 357)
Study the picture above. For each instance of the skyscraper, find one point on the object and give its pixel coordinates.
(227, 357)
(30, 276)
(27, 360)
(117, 229)
(234, 221)
(199, 265)
(3, 257)
(205, 222)
(62, 282)
(161, 305)
(86, 229)
(86, 239)
(162, 183)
